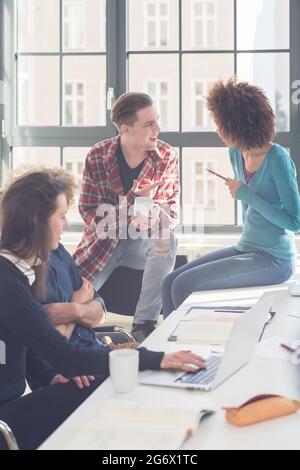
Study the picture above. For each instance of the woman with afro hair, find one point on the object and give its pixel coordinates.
(265, 182)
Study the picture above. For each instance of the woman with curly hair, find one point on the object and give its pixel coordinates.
(265, 182)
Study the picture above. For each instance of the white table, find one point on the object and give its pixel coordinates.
(262, 375)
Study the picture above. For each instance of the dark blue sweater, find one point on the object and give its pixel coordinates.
(25, 324)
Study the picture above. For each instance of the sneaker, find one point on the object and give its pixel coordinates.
(140, 331)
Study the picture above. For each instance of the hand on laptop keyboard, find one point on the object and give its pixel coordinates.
(183, 360)
(204, 377)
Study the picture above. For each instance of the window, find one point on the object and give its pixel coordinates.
(74, 103)
(103, 103)
(204, 24)
(103, 24)
(205, 198)
(156, 18)
(201, 118)
(74, 25)
(26, 95)
(204, 189)
(173, 50)
(159, 93)
(73, 161)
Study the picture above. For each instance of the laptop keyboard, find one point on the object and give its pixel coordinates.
(204, 376)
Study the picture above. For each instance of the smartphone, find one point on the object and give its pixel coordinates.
(217, 174)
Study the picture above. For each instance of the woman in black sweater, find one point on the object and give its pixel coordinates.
(33, 217)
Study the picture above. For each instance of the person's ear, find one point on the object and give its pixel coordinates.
(125, 129)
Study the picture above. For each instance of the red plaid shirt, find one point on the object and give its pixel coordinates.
(102, 185)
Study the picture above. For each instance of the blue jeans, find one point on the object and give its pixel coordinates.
(157, 259)
(223, 269)
(85, 337)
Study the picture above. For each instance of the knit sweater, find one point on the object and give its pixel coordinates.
(25, 324)
(271, 204)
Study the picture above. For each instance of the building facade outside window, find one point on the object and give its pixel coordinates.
(201, 117)
(156, 23)
(158, 90)
(204, 23)
(74, 103)
(74, 24)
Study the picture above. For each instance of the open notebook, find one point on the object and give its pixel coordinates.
(201, 326)
(131, 425)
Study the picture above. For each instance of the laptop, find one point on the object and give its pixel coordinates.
(241, 345)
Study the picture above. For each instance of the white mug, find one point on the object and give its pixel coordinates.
(123, 368)
(143, 206)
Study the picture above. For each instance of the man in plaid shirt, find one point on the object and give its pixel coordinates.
(118, 171)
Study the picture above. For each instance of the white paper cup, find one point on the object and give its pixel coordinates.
(123, 368)
(143, 206)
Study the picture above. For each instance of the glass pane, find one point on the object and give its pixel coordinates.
(38, 91)
(74, 160)
(151, 9)
(210, 7)
(208, 25)
(160, 68)
(199, 74)
(38, 25)
(271, 72)
(86, 76)
(47, 157)
(151, 39)
(163, 33)
(263, 24)
(84, 25)
(163, 8)
(206, 199)
(153, 24)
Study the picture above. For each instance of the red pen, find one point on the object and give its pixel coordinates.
(288, 348)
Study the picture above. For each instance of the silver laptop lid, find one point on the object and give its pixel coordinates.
(243, 339)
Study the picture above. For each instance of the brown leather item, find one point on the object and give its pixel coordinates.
(261, 408)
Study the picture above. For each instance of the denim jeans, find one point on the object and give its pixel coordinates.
(157, 259)
(85, 337)
(223, 269)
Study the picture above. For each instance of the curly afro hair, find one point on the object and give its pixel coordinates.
(242, 113)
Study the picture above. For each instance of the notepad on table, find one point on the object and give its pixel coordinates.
(204, 327)
(201, 332)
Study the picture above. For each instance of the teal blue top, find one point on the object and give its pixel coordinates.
(271, 204)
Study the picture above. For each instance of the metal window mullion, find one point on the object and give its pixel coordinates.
(112, 54)
(16, 63)
(208, 51)
(56, 54)
(61, 94)
(8, 37)
(180, 108)
(236, 205)
(295, 75)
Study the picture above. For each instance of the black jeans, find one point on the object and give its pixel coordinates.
(34, 417)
